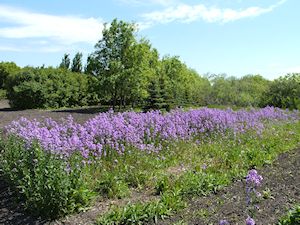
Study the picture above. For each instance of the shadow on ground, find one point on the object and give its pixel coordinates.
(89, 110)
(10, 212)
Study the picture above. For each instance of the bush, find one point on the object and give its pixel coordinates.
(284, 92)
(50, 88)
(6, 69)
(292, 218)
(2, 94)
(46, 184)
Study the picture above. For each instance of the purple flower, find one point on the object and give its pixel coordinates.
(254, 178)
(250, 221)
(224, 222)
(150, 132)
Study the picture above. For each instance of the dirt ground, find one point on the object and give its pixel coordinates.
(281, 180)
(80, 115)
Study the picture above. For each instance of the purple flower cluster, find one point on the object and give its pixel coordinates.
(250, 221)
(253, 178)
(223, 222)
(253, 181)
(145, 131)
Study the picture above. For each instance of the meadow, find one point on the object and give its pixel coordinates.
(153, 167)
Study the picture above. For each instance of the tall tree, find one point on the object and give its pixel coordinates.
(110, 62)
(77, 63)
(65, 62)
(91, 66)
(155, 99)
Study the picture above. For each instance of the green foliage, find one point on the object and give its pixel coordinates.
(242, 92)
(140, 213)
(197, 183)
(48, 185)
(112, 186)
(2, 94)
(284, 92)
(7, 68)
(65, 62)
(76, 66)
(292, 218)
(182, 86)
(50, 88)
(110, 62)
(164, 184)
(155, 99)
(131, 73)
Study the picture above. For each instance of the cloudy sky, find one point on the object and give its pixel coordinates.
(236, 37)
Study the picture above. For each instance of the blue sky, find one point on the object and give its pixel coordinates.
(236, 37)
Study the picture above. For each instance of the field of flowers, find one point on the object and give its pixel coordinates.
(57, 168)
(147, 132)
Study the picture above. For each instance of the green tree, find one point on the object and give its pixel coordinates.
(144, 67)
(173, 71)
(283, 92)
(251, 89)
(111, 62)
(155, 99)
(65, 62)
(7, 69)
(244, 91)
(91, 66)
(77, 63)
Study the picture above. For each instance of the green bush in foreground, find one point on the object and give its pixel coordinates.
(47, 185)
(292, 218)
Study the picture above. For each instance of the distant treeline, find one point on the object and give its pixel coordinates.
(124, 71)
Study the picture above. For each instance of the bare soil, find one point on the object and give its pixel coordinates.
(80, 115)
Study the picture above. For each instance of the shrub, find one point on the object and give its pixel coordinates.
(6, 69)
(50, 88)
(284, 92)
(141, 213)
(47, 185)
(2, 94)
(292, 218)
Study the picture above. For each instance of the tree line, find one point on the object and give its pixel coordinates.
(124, 71)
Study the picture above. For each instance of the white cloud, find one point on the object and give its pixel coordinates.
(189, 13)
(148, 2)
(4, 48)
(64, 30)
(36, 48)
